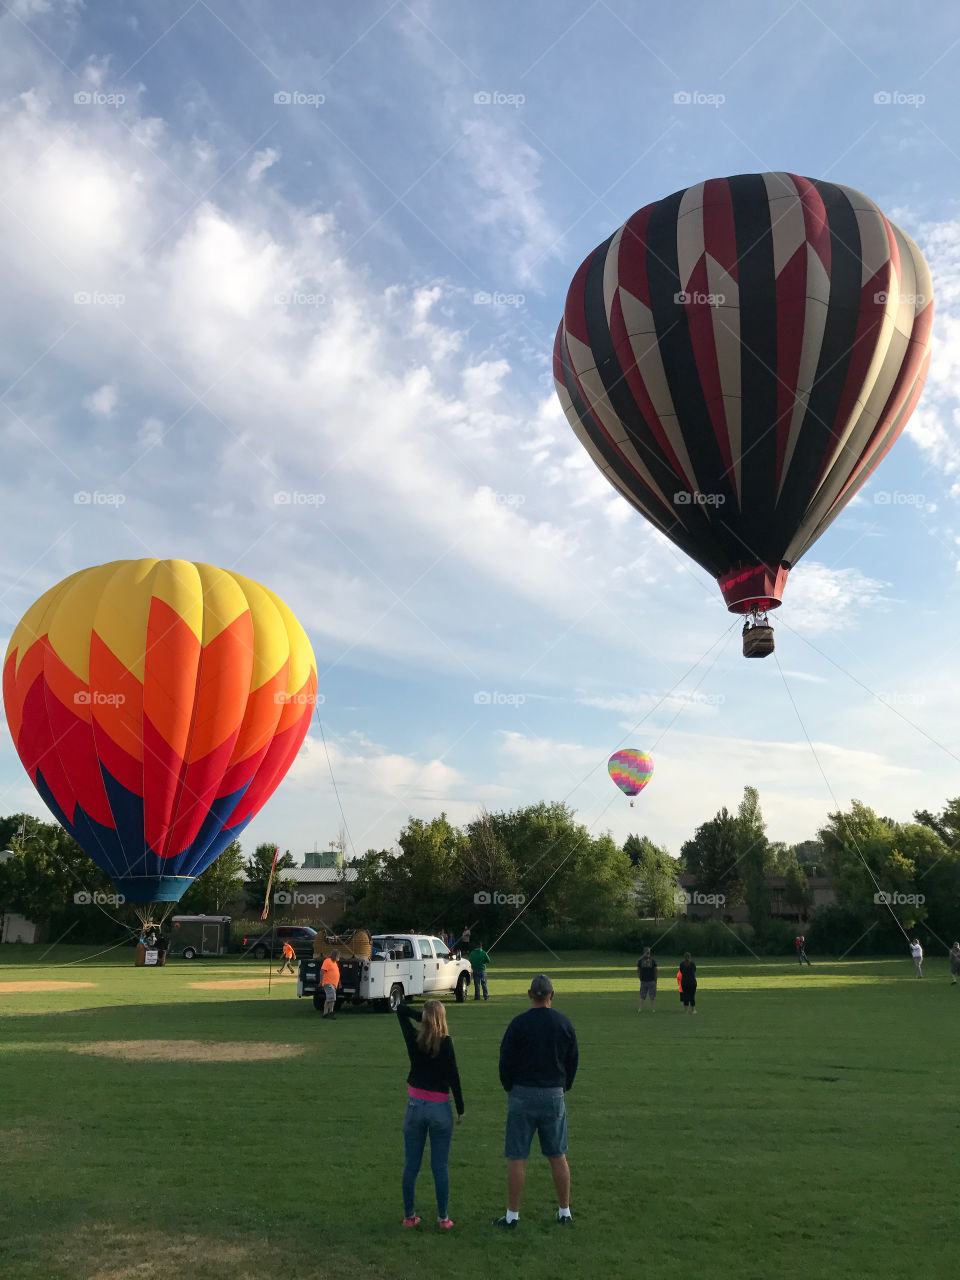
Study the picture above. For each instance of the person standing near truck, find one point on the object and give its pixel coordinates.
(433, 1075)
(478, 964)
(330, 980)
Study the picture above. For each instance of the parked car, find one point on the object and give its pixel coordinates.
(270, 941)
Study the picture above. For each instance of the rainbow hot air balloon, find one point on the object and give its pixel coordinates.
(156, 705)
(631, 770)
(738, 358)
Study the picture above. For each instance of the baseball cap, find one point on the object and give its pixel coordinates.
(541, 987)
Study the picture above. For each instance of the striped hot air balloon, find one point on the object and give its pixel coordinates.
(738, 358)
(156, 704)
(631, 770)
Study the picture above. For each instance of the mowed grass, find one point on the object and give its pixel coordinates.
(803, 1124)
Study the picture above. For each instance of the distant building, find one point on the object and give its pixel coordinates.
(320, 895)
(329, 858)
(19, 929)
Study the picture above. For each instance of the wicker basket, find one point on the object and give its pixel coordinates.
(758, 642)
(353, 945)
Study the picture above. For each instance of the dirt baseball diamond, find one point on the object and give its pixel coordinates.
(189, 1050)
(9, 987)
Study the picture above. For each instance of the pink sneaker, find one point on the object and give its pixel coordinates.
(444, 1223)
(411, 1222)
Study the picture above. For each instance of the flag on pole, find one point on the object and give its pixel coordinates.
(266, 902)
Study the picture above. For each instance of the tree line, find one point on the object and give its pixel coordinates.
(567, 883)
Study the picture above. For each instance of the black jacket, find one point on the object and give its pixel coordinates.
(439, 1074)
(539, 1049)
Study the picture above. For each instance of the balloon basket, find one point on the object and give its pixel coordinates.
(758, 642)
(149, 957)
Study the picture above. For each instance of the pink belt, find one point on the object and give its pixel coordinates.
(426, 1095)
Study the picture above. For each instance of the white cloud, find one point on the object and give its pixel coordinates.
(823, 599)
(511, 211)
(262, 160)
(103, 401)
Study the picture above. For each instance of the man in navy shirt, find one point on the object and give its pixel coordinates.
(538, 1061)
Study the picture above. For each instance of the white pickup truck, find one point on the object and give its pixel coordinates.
(402, 965)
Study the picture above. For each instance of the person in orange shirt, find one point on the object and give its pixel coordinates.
(330, 980)
(289, 955)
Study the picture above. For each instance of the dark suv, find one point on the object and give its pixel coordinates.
(271, 940)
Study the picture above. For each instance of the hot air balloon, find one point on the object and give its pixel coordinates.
(737, 359)
(631, 770)
(156, 705)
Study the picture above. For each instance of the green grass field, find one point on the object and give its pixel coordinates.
(803, 1124)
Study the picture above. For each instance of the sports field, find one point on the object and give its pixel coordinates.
(184, 1123)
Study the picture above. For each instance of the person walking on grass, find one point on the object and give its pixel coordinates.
(954, 963)
(917, 952)
(647, 973)
(801, 945)
(478, 964)
(433, 1074)
(330, 980)
(538, 1063)
(687, 978)
(289, 955)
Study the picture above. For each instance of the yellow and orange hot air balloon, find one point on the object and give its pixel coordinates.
(156, 704)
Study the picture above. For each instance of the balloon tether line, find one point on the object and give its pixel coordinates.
(336, 790)
(836, 802)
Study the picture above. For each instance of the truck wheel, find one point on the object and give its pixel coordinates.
(463, 986)
(260, 952)
(189, 953)
(396, 996)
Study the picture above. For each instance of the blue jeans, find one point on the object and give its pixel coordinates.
(479, 980)
(423, 1118)
(533, 1110)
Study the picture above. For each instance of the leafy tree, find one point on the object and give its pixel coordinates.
(797, 890)
(754, 859)
(571, 878)
(217, 889)
(46, 874)
(655, 876)
(713, 854)
(869, 855)
(811, 853)
(946, 823)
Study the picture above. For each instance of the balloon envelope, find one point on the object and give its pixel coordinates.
(156, 704)
(631, 770)
(738, 358)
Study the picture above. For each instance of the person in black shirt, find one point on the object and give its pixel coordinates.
(538, 1062)
(688, 983)
(647, 973)
(433, 1074)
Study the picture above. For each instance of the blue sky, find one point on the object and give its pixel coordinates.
(291, 366)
